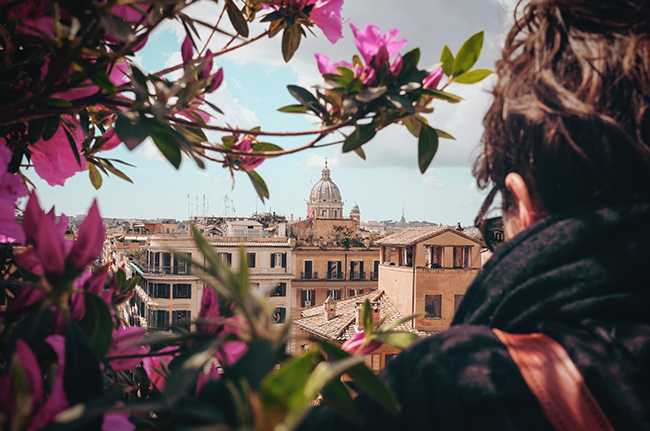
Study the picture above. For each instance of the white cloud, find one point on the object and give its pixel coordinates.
(204, 174)
(315, 162)
(470, 187)
(433, 181)
(148, 150)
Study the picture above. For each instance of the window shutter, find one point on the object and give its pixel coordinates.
(303, 297)
(360, 291)
(174, 317)
(329, 292)
(188, 315)
(272, 260)
(189, 265)
(360, 268)
(155, 290)
(175, 287)
(284, 260)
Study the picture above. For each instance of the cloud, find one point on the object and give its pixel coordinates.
(148, 150)
(433, 181)
(315, 162)
(470, 187)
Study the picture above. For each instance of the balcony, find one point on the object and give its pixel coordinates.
(164, 269)
(335, 275)
(309, 276)
(374, 276)
(357, 275)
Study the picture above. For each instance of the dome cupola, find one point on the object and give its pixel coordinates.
(325, 198)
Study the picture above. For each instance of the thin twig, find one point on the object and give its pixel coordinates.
(324, 130)
(214, 30)
(143, 355)
(262, 153)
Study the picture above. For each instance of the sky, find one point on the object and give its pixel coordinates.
(386, 184)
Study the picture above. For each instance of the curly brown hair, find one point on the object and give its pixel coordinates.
(570, 111)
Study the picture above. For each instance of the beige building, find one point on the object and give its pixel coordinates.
(337, 272)
(170, 291)
(427, 270)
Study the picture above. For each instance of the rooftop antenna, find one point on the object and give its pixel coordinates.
(189, 215)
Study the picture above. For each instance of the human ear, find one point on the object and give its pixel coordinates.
(527, 211)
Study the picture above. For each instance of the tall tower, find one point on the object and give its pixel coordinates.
(325, 197)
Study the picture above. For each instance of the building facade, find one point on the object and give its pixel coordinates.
(427, 270)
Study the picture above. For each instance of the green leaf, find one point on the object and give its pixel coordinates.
(266, 146)
(293, 109)
(360, 153)
(368, 381)
(131, 133)
(82, 378)
(139, 77)
(52, 126)
(401, 102)
(410, 61)
(97, 323)
(366, 316)
(36, 129)
(338, 398)
(443, 135)
(237, 19)
(447, 60)
(104, 82)
(398, 322)
(306, 99)
(255, 365)
(259, 184)
(290, 41)
(95, 177)
(427, 146)
(284, 388)
(370, 94)
(468, 54)
(360, 136)
(58, 102)
(399, 340)
(73, 146)
(443, 95)
(414, 123)
(167, 145)
(345, 72)
(473, 76)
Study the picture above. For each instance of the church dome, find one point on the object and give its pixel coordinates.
(355, 207)
(325, 190)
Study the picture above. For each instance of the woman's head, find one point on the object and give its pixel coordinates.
(571, 113)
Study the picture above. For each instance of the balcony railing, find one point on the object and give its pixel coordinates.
(309, 276)
(374, 276)
(165, 269)
(357, 275)
(335, 275)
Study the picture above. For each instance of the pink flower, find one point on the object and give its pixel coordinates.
(370, 41)
(326, 15)
(54, 160)
(24, 370)
(247, 162)
(217, 80)
(154, 368)
(117, 420)
(431, 82)
(187, 51)
(126, 342)
(325, 64)
(53, 255)
(11, 188)
(111, 140)
(33, 13)
(354, 344)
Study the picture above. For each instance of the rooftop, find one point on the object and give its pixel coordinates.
(342, 326)
(413, 235)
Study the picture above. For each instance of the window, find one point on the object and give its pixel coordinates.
(356, 270)
(432, 306)
(457, 300)
(324, 212)
(160, 319)
(307, 298)
(167, 263)
(182, 267)
(356, 292)
(308, 269)
(462, 257)
(161, 290)
(180, 316)
(335, 213)
(278, 260)
(375, 270)
(226, 258)
(279, 290)
(334, 270)
(142, 309)
(250, 259)
(279, 314)
(334, 293)
(437, 256)
(183, 290)
(373, 361)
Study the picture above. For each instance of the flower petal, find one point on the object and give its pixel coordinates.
(89, 242)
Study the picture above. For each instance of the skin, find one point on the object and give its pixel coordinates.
(524, 213)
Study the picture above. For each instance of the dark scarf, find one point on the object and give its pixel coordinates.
(567, 268)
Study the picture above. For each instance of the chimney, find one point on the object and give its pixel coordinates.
(374, 306)
(330, 308)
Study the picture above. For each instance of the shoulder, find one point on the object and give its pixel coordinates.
(462, 378)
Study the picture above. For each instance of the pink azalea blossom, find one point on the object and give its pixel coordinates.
(117, 420)
(370, 41)
(153, 366)
(33, 13)
(126, 342)
(11, 188)
(187, 50)
(354, 344)
(325, 64)
(111, 140)
(24, 368)
(247, 162)
(431, 82)
(54, 160)
(326, 15)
